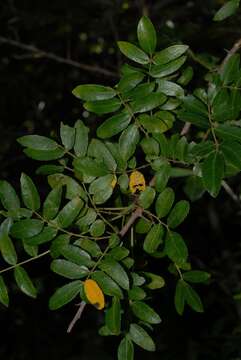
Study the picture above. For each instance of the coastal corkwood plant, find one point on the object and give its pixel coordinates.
(111, 207)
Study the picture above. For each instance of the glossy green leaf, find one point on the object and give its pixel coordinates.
(170, 88)
(46, 235)
(76, 255)
(160, 122)
(113, 316)
(118, 253)
(70, 211)
(194, 118)
(86, 220)
(160, 71)
(196, 276)
(228, 132)
(97, 228)
(114, 125)
(74, 189)
(6, 246)
(153, 239)
(141, 338)
(103, 106)
(99, 150)
(145, 313)
(133, 52)
(81, 138)
(4, 298)
(101, 188)
(162, 177)
(194, 188)
(67, 134)
(141, 90)
(146, 34)
(231, 70)
(150, 146)
(58, 244)
(115, 271)
(26, 228)
(179, 298)
(175, 248)
(157, 282)
(126, 349)
(90, 167)
(192, 298)
(90, 246)
(228, 9)
(178, 214)
(31, 250)
(231, 151)
(68, 269)
(65, 294)
(221, 106)
(52, 203)
(8, 196)
(108, 286)
(114, 240)
(24, 282)
(136, 293)
(213, 172)
(38, 142)
(164, 202)
(128, 141)
(147, 197)
(203, 148)
(171, 53)
(130, 81)
(148, 103)
(128, 262)
(186, 76)
(44, 155)
(49, 169)
(29, 192)
(91, 92)
(194, 105)
(142, 226)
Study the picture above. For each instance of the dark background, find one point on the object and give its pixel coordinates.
(36, 96)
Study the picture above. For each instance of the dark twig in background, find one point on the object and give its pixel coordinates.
(49, 55)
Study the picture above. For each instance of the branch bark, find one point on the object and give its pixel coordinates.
(231, 52)
(49, 55)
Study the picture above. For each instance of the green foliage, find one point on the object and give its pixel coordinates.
(93, 219)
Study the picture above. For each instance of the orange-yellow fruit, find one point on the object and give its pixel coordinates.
(94, 294)
(137, 182)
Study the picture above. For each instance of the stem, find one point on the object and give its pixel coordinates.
(230, 192)
(212, 128)
(96, 209)
(36, 52)
(179, 271)
(25, 261)
(199, 60)
(77, 316)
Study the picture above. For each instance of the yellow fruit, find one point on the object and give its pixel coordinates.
(137, 182)
(94, 294)
(113, 182)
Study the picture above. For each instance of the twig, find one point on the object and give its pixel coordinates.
(137, 213)
(230, 192)
(25, 261)
(186, 128)
(231, 52)
(77, 316)
(52, 56)
(199, 60)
